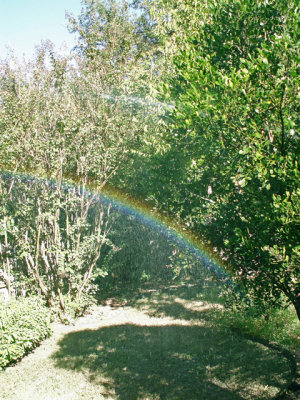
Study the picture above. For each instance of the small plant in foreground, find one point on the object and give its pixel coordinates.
(24, 323)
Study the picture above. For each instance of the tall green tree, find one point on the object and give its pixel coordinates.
(59, 120)
(236, 129)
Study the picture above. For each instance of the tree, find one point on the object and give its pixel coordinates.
(57, 123)
(53, 238)
(235, 125)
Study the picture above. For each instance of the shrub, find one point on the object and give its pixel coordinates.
(24, 323)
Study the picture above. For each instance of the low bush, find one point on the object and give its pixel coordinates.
(24, 323)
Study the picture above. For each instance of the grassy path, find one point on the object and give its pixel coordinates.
(165, 344)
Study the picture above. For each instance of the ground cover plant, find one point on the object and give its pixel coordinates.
(24, 324)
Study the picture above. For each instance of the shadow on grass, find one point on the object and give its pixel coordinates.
(171, 362)
(188, 302)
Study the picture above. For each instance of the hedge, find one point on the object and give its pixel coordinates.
(24, 323)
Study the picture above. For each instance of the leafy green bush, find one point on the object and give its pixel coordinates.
(24, 323)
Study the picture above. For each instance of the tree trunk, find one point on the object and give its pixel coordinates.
(296, 304)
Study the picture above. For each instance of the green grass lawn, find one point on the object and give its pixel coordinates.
(164, 344)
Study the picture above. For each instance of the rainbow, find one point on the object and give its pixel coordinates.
(127, 205)
(179, 235)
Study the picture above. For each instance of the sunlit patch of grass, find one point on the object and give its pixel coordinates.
(187, 300)
(165, 343)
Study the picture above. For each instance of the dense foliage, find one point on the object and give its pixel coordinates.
(191, 106)
(228, 163)
(24, 323)
(59, 119)
(236, 119)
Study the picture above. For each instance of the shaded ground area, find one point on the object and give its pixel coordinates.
(164, 344)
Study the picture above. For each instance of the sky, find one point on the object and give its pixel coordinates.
(25, 23)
